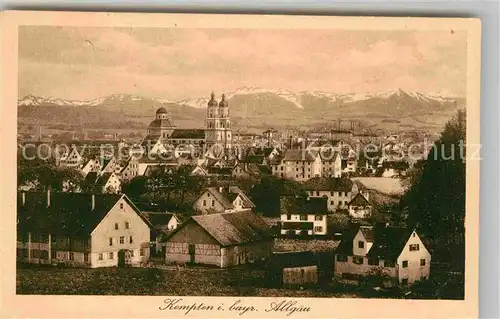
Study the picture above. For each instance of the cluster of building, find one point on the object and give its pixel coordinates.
(100, 227)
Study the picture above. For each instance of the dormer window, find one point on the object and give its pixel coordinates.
(361, 244)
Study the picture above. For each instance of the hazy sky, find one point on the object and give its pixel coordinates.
(85, 63)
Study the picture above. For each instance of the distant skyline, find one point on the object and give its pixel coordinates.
(86, 63)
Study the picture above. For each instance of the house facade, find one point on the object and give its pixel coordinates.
(222, 200)
(298, 164)
(221, 240)
(303, 216)
(88, 230)
(396, 256)
(359, 206)
(337, 191)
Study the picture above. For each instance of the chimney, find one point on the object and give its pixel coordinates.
(48, 197)
(93, 202)
(23, 195)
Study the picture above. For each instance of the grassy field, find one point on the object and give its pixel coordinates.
(197, 281)
(140, 281)
(389, 186)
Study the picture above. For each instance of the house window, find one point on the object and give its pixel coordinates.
(405, 264)
(71, 256)
(122, 240)
(204, 203)
(331, 193)
(317, 193)
(303, 217)
(318, 217)
(53, 254)
(361, 244)
(373, 261)
(141, 252)
(116, 225)
(341, 258)
(121, 205)
(132, 253)
(332, 202)
(100, 256)
(131, 239)
(111, 255)
(404, 282)
(414, 247)
(422, 262)
(288, 217)
(318, 229)
(127, 225)
(85, 257)
(111, 241)
(388, 263)
(358, 260)
(213, 202)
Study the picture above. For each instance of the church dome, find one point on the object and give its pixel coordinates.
(213, 101)
(223, 101)
(161, 110)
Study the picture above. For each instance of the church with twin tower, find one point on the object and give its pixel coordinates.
(218, 126)
(216, 136)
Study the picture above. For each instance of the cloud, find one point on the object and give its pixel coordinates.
(83, 63)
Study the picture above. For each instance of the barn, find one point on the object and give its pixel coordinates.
(222, 240)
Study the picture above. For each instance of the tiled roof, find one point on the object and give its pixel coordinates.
(388, 242)
(292, 259)
(328, 184)
(359, 200)
(234, 228)
(160, 123)
(103, 179)
(158, 219)
(188, 133)
(299, 155)
(150, 140)
(68, 213)
(302, 205)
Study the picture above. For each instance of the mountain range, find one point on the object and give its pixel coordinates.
(252, 108)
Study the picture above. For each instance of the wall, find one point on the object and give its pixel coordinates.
(138, 229)
(360, 211)
(351, 268)
(300, 275)
(198, 204)
(207, 249)
(360, 251)
(335, 201)
(414, 271)
(246, 253)
(310, 218)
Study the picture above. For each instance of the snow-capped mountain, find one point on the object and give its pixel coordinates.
(258, 106)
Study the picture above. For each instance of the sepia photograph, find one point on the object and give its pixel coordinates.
(238, 161)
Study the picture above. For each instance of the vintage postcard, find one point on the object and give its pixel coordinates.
(226, 166)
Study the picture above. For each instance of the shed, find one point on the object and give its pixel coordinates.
(292, 269)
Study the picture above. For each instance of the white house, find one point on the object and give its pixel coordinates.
(337, 191)
(303, 216)
(91, 165)
(298, 164)
(89, 230)
(397, 256)
(359, 206)
(222, 200)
